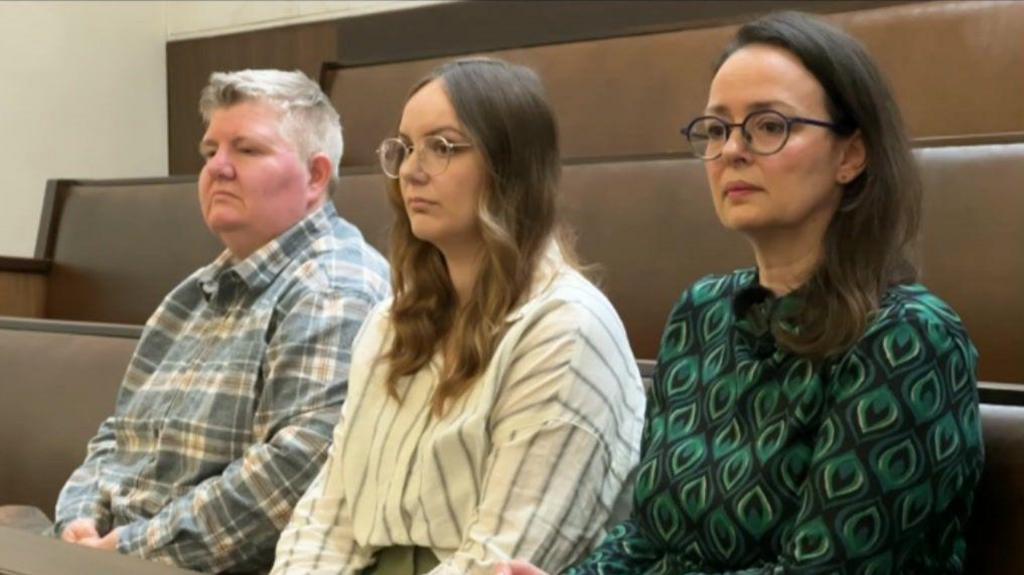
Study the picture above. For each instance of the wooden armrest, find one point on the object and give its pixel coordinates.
(23, 286)
(24, 265)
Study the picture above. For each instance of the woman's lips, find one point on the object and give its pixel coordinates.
(740, 190)
(419, 204)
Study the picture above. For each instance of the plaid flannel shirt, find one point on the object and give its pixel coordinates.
(226, 411)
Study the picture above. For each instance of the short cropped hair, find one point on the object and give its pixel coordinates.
(310, 121)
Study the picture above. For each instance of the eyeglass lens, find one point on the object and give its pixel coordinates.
(433, 154)
(763, 133)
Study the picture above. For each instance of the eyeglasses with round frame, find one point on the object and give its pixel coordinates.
(764, 132)
(434, 154)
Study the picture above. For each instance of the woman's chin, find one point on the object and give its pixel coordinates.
(743, 223)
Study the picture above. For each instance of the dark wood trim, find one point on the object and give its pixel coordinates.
(1001, 393)
(1003, 138)
(997, 139)
(450, 29)
(647, 367)
(325, 77)
(969, 140)
(25, 265)
(47, 226)
(130, 181)
(71, 327)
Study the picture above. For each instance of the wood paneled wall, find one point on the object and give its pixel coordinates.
(624, 77)
(23, 287)
(190, 63)
(629, 96)
(433, 31)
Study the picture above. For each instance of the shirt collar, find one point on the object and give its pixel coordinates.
(262, 266)
(751, 295)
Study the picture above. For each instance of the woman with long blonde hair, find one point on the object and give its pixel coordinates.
(495, 407)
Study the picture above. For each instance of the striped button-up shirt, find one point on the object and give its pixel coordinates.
(530, 463)
(226, 410)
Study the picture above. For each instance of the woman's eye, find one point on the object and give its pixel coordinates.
(771, 127)
(437, 147)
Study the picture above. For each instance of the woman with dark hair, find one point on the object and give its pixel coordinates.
(818, 413)
(494, 407)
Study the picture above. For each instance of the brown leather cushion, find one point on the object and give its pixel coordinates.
(652, 231)
(997, 525)
(648, 223)
(970, 246)
(649, 227)
(119, 247)
(57, 388)
(362, 200)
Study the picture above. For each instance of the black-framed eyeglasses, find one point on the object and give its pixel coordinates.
(435, 153)
(764, 132)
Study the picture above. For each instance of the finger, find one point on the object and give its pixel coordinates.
(80, 528)
(89, 541)
(524, 568)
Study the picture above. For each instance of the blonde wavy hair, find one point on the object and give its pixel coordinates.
(505, 112)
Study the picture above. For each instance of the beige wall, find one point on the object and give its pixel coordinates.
(83, 88)
(83, 95)
(200, 18)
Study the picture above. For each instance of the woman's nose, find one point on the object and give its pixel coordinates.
(410, 170)
(735, 145)
(219, 165)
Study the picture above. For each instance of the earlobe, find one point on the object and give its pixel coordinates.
(320, 170)
(854, 160)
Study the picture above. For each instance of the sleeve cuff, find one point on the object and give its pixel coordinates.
(69, 513)
(131, 538)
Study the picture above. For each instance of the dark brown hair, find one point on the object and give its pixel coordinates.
(867, 243)
(503, 108)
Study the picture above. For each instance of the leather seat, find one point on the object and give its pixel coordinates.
(60, 380)
(996, 532)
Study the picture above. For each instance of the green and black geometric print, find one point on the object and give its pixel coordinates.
(757, 461)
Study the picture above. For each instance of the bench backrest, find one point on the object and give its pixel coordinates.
(60, 380)
(62, 377)
(996, 529)
(118, 246)
(118, 249)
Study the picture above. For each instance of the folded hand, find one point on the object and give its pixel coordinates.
(518, 568)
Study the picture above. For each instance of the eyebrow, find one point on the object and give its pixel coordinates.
(753, 107)
(207, 143)
(437, 131)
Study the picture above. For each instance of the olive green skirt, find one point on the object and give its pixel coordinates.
(403, 561)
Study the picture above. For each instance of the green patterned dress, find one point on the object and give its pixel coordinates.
(755, 461)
